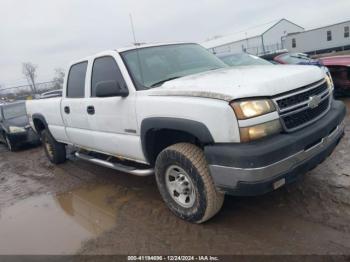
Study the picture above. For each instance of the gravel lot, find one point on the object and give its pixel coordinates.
(81, 208)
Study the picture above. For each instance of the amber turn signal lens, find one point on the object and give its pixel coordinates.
(260, 131)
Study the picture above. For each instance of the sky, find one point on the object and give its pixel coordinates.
(52, 33)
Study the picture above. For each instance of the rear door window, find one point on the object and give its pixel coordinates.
(76, 80)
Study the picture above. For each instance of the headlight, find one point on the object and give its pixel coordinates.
(252, 108)
(259, 131)
(16, 129)
(330, 83)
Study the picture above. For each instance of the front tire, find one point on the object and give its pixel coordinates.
(185, 184)
(55, 151)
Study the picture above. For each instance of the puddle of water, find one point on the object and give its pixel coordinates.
(50, 224)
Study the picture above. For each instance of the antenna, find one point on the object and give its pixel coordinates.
(137, 49)
(133, 29)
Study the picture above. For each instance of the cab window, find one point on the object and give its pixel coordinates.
(105, 69)
(76, 80)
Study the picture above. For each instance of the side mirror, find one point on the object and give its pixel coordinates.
(110, 88)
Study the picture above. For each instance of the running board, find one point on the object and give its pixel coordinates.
(115, 166)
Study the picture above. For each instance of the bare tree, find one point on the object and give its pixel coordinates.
(29, 71)
(59, 78)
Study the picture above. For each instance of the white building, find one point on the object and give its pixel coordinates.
(334, 37)
(257, 40)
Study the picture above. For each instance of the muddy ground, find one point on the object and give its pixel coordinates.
(77, 207)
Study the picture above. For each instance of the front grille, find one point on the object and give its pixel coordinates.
(298, 98)
(305, 116)
(298, 109)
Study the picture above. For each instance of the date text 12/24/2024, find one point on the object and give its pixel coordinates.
(173, 258)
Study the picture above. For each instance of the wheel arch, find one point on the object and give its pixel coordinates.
(39, 123)
(160, 132)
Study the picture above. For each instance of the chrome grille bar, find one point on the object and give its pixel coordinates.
(311, 114)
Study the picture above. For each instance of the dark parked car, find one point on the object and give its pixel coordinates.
(242, 59)
(14, 126)
(339, 66)
(286, 58)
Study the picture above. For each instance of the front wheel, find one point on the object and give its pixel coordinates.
(55, 151)
(185, 184)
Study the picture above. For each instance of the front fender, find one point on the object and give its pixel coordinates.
(196, 129)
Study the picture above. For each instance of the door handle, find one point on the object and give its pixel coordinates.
(67, 109)
(90, 110)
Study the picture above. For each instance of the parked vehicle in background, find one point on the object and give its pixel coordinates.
(242, 59)
(292, 59)
(204, 128)
(339, 67)
(14, 126)
(286, 58)
(53, 93)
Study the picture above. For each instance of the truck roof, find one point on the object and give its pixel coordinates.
(122, 49)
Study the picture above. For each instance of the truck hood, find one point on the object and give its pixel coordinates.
(241, 82)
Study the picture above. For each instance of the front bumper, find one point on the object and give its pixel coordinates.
(27, 137)
(259, 167)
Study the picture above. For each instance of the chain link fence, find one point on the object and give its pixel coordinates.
(26, 91)
(263, 50)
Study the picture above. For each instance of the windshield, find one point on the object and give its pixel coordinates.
(152, 66)
(294, 59)
(243, 59)
(13, 111)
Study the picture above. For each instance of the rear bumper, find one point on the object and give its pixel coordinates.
(262, 166)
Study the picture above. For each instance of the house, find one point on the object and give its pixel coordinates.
(335, 37)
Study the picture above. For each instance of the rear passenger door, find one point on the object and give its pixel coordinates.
(73, 107)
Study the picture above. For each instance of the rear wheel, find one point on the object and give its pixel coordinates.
(185, 183)
(55, 151)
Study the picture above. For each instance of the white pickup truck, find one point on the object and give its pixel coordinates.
(203, 129)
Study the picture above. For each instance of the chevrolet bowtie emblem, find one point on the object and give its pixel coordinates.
(314, 101)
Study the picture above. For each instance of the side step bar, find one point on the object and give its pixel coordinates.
(115, 166)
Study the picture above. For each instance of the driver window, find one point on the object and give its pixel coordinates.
(105, 69)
